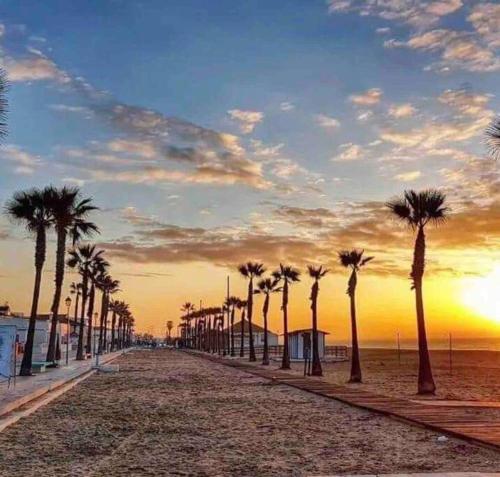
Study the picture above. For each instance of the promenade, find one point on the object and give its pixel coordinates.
(170, 413)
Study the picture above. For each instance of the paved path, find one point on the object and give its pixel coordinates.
(28, 388)
(458, 422)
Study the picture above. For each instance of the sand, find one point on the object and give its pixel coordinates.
(168, 413)
(475, 375)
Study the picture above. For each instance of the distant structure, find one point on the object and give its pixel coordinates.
(258, 336)
(299, 340)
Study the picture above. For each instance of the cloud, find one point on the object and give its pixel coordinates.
(247, 119)
(34, 67)
(304, 217)
(365, 116)
(416, 13)
(287, 106)
(327, 122)
(408, 176)
(485, 18)
(404, 110)
(458, 50)
(24, 162)
(368, 98)
(131, 216)
(349, 152)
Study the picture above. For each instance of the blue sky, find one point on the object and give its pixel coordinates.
(274, 121)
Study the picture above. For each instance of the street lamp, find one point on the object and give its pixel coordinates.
(68, 304)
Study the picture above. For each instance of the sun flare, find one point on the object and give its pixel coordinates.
(482, 294)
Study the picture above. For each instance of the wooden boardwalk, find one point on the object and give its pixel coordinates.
(464, 423)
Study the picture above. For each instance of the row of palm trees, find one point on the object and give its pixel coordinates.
(415, 209)
(64, 211)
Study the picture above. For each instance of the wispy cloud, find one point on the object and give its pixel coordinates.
(367, 98)
(247, 120)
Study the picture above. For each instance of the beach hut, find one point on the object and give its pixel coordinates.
(298, 340)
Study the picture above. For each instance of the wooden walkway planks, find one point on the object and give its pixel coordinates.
(458, 422)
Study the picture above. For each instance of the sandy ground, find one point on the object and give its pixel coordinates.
(475, 375)
(168, 413)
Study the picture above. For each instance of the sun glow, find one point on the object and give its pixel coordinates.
(482, 294)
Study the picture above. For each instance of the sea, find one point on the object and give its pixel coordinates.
(459, 343)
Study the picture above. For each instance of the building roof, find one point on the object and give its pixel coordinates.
(255, 328)
(306, 330)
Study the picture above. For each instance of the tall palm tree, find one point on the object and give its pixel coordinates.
(316, 273)
(417, 209)
(3, 104)
(188, 309)
(97, 268)
(232, 303)
(108, 286)
(69, 214)
(286, 275)
(32, 209)
(354, 260)
(75, 289)
(82, 258)
(250, 270)
(242, 305)
(170, 325)
(493, 138)
(265, 287)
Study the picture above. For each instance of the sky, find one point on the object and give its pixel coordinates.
(213, 133)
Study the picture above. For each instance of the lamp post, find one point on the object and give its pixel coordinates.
(96, 316)
(68, 304)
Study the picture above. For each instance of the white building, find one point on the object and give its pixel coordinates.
(299, 340)
(258, 336)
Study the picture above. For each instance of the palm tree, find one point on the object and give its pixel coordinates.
(251, 270)
(265, 287)
(69, 214)
(82, 258)
(287, 275)
(32, 209)
(354, 260)
(3, 104)
(97, 267)
(187, 308)
(233, 303)
(107, 285)
(417, 209)
(242, 305)
(493, 138)
(75, 289)
(316, 273)
(170, 325)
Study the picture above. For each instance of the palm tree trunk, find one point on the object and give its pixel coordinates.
(81, 332)
(285, 362)
(426, 383)
(105, 337)
(233, 353)
(316, 363)
(355, 362)
(119, 338)
(113, 325)
(40, 249)
(76, 308)
(265, 354)
(59, 278)
(90, 312)
(250, 329)
(242, 334)
(101, 320)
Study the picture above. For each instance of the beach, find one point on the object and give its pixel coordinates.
(169, 413)
(474, 375)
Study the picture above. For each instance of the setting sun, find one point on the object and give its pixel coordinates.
(482, 295)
